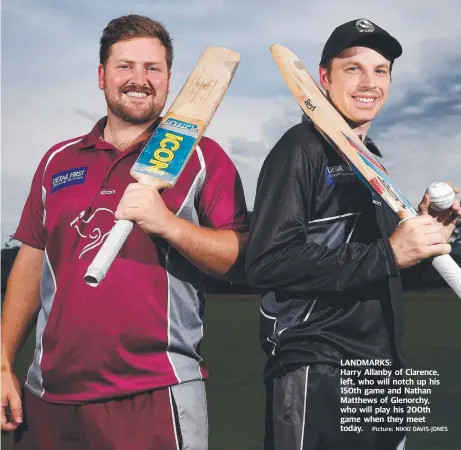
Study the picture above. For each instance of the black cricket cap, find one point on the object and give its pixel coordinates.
(361, 33)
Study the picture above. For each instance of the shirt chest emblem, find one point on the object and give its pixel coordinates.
(339, 174)
(68, 178)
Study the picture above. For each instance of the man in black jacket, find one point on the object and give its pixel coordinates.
(328, 253)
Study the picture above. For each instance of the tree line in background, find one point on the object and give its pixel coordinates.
(426, 279)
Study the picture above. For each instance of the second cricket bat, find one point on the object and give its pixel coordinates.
(166, 153)
(339, 134)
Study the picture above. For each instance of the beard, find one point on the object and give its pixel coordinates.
(130, 112)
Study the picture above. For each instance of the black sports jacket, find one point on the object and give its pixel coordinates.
(319, 248)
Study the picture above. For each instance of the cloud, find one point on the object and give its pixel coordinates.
(432, 98)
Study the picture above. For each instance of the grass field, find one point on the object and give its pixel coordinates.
(235, 389)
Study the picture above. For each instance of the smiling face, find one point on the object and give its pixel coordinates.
(135, 80)
(357, 82)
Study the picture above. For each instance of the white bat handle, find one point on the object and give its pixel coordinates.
(107, 253)
(450, 272)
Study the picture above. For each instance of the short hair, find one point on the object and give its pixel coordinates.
(133, 26)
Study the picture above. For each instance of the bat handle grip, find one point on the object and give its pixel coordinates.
(450, 272)
(107, 253)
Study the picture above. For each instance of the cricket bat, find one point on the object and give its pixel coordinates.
(339, 134)
(166, 153)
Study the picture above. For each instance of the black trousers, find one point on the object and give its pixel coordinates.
(303, 412)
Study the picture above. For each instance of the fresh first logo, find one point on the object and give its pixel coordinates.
(68, 178)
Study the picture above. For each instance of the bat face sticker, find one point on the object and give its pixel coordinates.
(309, 105)
(167, 151)
(377, 185)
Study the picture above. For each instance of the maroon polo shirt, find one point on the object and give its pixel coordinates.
(141, 328)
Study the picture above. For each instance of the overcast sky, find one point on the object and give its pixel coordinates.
(49, 79)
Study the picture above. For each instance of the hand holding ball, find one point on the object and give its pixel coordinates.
(441, 196)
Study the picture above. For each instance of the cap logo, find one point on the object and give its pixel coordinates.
(364, 26)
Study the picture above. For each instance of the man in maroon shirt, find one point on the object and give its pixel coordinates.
(118, 367)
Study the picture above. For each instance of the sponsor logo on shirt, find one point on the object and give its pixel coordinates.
(376, 202)
(67, 178)
(339, 174)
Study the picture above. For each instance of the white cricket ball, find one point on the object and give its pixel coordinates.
(441, 195)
